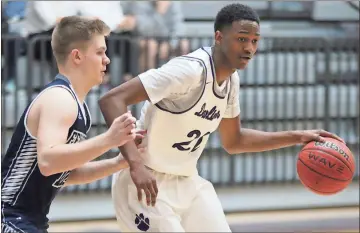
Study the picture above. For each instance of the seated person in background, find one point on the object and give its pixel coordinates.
(13, 13)
(162, 19)
(40, 19)
(121, 24)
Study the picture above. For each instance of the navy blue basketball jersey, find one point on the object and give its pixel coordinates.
(24, 190)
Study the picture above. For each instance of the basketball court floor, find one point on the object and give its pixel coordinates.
(328, 220)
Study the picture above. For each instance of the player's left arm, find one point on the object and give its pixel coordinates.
(96, 170)
(236, 139)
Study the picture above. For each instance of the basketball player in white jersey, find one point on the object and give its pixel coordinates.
(47, 150)
(186, 100)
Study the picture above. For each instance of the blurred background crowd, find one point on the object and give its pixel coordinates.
(162, 19)
(305, 75)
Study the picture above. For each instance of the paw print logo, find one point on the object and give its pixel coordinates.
(143, 224)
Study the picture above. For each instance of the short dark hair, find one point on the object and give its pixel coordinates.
(234, 12)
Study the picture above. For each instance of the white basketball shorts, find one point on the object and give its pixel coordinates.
(184, 204)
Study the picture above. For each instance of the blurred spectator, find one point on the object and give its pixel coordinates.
(162, 19)
(111, 13)
(42, 16)
(108, 11)
(40, 20)
(12, 16)
(15, 12)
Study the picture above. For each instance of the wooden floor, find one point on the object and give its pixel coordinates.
(313, 220)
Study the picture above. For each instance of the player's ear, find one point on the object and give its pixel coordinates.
(218, 37)
(76, 56)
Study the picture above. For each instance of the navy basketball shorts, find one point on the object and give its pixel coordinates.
(19, 225)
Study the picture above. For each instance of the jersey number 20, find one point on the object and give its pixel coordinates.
(195, 135)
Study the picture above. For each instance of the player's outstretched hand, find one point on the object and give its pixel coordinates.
(144, 180)
(122, 130)
(306, 136)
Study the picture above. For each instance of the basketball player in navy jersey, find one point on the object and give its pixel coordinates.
(47, 150)
(185, 101)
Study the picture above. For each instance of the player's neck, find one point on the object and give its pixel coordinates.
(222, 68)
(77, 82)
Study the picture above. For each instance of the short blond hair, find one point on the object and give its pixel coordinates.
(73, 32)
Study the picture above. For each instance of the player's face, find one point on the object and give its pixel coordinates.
(240, 42)
(95, 60)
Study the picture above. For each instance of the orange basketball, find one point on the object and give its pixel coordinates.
(325, 168)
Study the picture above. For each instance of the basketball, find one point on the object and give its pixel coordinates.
(325, 168)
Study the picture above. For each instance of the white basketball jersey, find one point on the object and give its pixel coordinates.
(175, 141)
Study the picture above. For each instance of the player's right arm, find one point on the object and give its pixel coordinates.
(57, 110)
(153, 85)
(113, 104)
(236, 139)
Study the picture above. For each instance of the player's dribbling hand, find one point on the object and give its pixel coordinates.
(144, 180)
(306, 136)
(122, 130)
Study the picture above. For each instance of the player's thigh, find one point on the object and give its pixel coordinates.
(206, 213)
(135, 216)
